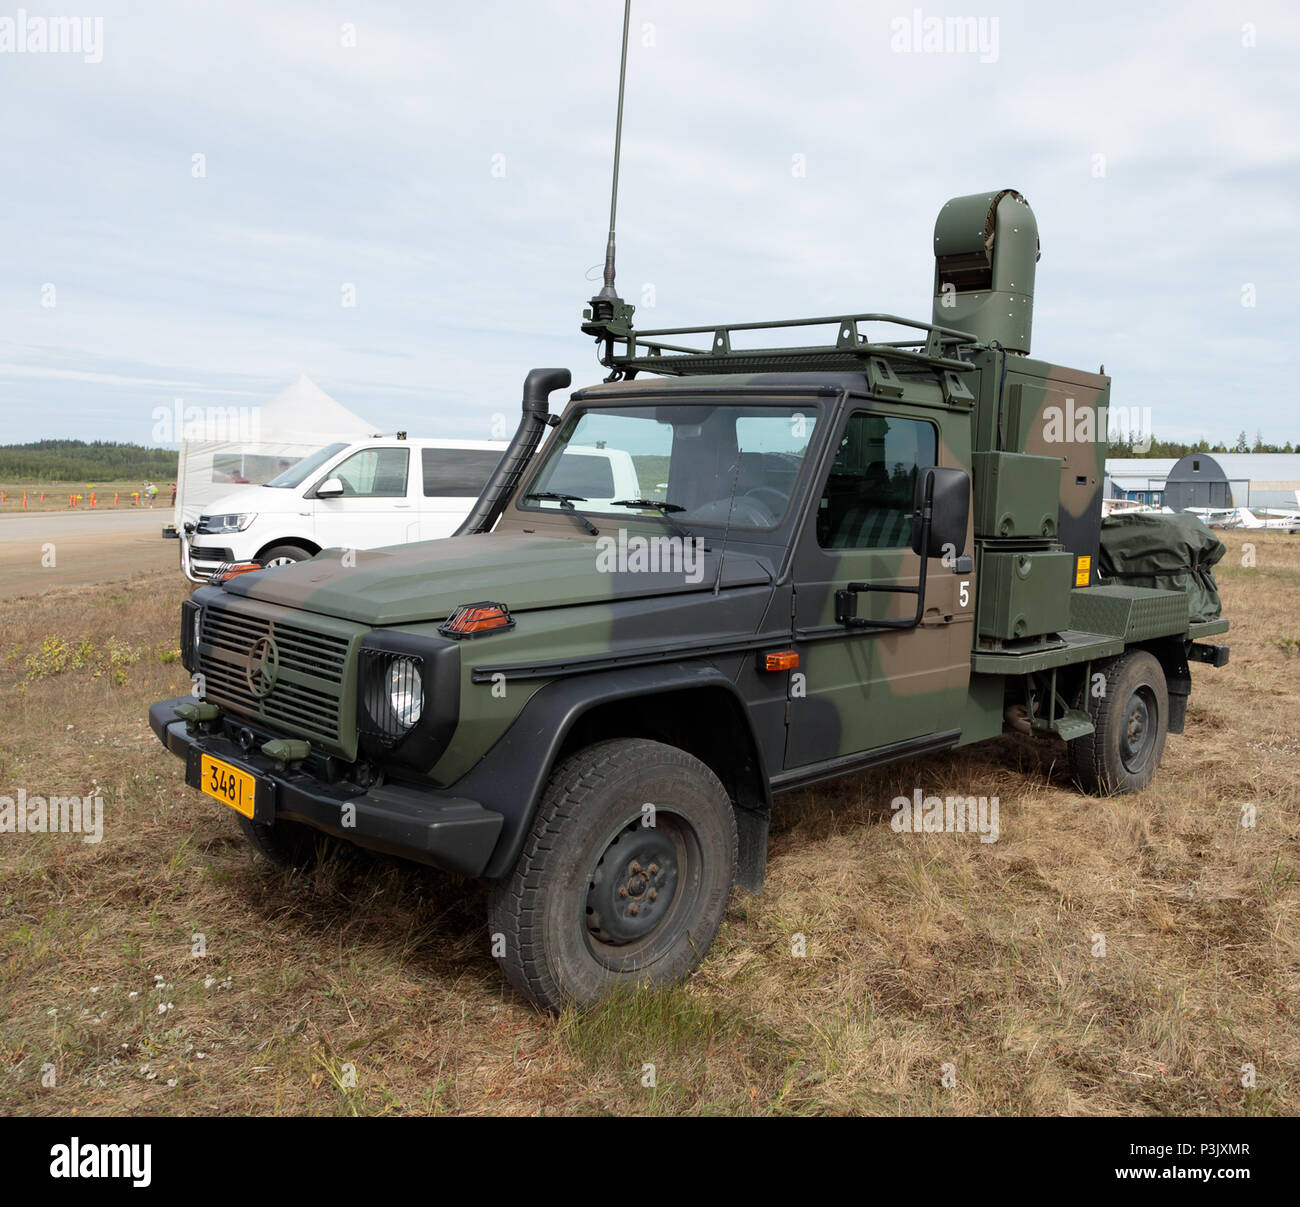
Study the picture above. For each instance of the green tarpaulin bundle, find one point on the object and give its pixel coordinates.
(1171, 552)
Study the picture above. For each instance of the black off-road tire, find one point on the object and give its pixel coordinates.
(575, 896)
(287, 844)
(1132, 722)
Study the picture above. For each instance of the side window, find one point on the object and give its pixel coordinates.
(373, 473)
(867, 502)
(451, 473)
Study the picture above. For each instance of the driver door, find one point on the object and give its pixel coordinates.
(378, 504)
(863, 690)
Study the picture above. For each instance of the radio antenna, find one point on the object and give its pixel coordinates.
(608, 317)
(609, 291)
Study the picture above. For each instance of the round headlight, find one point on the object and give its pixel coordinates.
(405, 691)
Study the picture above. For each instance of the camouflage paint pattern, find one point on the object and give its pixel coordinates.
(853, 692)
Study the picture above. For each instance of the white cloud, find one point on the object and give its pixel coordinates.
(372, 165)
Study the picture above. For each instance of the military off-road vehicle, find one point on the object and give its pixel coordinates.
(838, 553)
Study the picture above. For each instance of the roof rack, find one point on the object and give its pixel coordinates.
(937, 347)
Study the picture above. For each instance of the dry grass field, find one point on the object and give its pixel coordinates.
(367, 986)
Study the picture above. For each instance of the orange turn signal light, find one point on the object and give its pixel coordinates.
(229, 570)
(471, 620)
(781, 660)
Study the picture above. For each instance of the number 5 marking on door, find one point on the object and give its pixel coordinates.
(963, 592)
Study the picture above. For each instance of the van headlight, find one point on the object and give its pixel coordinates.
(215, 525)
(405, 689)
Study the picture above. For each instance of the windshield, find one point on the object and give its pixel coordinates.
(299, 471)
(704, 463)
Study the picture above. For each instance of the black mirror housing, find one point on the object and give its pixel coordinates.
(945, 492)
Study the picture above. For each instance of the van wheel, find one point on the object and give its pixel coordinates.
(1131, 720)
(283, 555)
(624, 878)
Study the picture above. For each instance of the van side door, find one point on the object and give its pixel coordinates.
(377, 505)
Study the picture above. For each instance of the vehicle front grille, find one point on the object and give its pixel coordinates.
(285, 672)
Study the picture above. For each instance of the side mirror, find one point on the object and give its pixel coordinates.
(331, 488)
(942, 494)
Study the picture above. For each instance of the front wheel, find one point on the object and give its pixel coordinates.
(624, 878)
(283, 555)
(1131, 721)
(287, 844)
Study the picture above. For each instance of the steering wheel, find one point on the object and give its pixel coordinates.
(770, 499)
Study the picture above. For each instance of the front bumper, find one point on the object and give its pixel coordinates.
(199, 561)
(424, 824)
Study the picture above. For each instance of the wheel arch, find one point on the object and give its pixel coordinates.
(696, 708)
(310, 548)
(1171, 653)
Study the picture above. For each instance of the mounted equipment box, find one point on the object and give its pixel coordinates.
(1016, 495)
(1025, 594)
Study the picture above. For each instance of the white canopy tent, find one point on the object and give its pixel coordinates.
(228, 447)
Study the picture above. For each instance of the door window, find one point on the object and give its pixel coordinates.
(868, 500)
(373, 473)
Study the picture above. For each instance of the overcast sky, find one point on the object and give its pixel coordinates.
(450, 163)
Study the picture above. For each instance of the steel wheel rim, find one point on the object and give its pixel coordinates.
(1137, 739)
(640, 939)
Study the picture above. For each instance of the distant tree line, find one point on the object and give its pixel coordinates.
(79, 461)
(1124, 445)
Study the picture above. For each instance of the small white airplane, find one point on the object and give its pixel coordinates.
(1129, 507)
(1216, 517)
(1264, 517)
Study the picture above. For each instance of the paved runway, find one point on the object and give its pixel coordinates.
(88, 547)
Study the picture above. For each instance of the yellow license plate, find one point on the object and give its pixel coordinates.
(228, 784)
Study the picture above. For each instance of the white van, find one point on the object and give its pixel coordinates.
(369, 494)
(363, 495)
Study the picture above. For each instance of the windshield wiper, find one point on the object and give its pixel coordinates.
(567, 502)
(663, 507)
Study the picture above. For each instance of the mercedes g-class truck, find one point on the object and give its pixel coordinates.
(837, 554)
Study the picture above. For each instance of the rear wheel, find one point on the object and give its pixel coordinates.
(1131, 720)
(624, 878)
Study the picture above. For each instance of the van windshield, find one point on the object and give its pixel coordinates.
(301, 470)
(702, 462)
